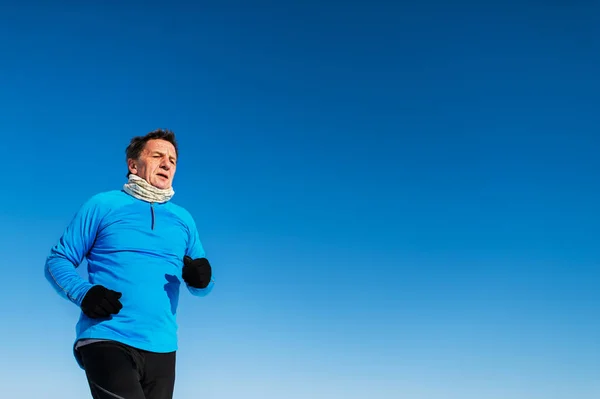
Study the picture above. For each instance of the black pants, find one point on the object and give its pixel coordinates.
(118, 371)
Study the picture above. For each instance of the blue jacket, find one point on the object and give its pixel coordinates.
(133, 247)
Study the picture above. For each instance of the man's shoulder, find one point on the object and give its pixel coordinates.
(107, 198)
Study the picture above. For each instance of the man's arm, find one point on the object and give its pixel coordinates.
(70, 251)
(195, 250)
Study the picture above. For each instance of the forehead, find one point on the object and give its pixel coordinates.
(159, 145)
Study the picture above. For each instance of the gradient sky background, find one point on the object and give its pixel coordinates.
(399, 201)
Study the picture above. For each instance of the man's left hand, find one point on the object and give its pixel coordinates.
(196, 272)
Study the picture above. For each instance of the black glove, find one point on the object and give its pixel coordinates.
(101, 302)
(196, 272)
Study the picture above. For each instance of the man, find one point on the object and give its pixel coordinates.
(140, 248)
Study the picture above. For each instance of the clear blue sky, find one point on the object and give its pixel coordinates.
(399, 201)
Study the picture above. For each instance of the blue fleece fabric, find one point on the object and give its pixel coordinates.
(133, 247)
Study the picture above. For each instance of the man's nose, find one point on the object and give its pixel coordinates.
(165, 164)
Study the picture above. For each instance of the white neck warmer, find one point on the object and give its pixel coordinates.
(141, 189)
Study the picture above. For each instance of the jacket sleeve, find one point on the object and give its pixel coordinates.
(196, 250)
(70, 251)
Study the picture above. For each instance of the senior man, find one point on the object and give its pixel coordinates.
(140, 247)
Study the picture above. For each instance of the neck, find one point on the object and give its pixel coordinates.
(141, 189)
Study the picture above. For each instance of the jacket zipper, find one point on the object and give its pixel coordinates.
(153, 216)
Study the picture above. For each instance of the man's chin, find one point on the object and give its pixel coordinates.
(162, 186)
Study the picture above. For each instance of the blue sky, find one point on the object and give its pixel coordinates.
(399, 201)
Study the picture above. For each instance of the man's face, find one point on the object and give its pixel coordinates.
(156, 164)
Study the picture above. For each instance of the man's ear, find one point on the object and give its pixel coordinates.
(132, 166)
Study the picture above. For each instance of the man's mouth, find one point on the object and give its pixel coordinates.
(163, 175)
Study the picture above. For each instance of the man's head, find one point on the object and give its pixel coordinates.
(153, 157)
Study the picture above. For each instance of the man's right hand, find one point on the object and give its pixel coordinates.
(101, 302)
